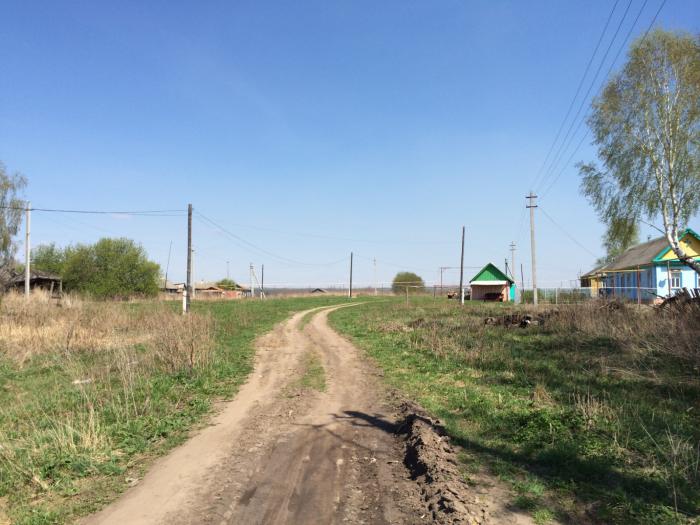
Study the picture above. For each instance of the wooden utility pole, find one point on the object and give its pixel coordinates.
(532, 205)
(27, 252)
(252, 283)
(194, 277)
(461, 272)
(188, 283)
(350, 286)
(639, 287)
(167, 267)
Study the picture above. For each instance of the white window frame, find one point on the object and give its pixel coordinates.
(676, 279)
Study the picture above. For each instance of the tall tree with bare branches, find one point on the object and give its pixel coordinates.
(646, 124)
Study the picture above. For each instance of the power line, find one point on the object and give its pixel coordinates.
(334, 238)
(578, 90)
(251, 246)
(566, 233)
(607, 75)
(566, 164)
(564, 142)
(145, 213)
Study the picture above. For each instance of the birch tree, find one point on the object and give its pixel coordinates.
(646, 124)
(11, 186)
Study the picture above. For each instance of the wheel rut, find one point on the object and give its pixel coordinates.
(279, 453)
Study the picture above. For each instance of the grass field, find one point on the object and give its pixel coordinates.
(91, 392)
(592, 417)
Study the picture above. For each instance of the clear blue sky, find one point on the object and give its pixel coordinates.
(309, 129)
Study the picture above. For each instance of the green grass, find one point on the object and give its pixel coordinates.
(584, 422)
(70, 449)
(314, 376)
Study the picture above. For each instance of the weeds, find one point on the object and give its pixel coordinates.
(598, 405)
(89, 391)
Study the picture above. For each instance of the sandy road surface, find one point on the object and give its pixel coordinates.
(278, 453)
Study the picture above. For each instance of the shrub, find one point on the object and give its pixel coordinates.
(407, 281)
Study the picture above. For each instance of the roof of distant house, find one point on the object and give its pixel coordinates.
(490, 275)
(639, 255)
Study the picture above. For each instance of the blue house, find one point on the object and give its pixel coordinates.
(646, 272)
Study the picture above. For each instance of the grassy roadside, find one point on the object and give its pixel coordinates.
(592, 418)
(108, 388)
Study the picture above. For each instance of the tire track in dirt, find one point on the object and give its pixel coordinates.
(277, 454)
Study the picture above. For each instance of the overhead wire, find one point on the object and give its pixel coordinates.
(255, 248)
(578, 90)
(621, 48)
(561, 228)
(564, 142)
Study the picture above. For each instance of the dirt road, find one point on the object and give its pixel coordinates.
(281, 453)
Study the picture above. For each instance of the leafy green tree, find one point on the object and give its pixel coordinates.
(226, 284)
(407, 281)
(646, 124)
(49, 258)
(11, 212)
(111, 268)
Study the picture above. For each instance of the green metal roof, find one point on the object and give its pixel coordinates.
(688, 231)
(491, 273)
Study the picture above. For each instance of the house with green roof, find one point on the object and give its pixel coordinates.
(646, 272)
(491, 284)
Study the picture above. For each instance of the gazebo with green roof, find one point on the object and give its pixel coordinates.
(491, 284)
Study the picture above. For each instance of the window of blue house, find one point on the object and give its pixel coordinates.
(676, 279)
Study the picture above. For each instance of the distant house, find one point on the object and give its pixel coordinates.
(38, 280)
(647, 271)
(491, 284)
(205, 289)
(318, 290)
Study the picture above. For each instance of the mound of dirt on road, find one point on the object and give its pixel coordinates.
(432, 463)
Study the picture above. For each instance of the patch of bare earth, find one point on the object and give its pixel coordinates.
(279, 453)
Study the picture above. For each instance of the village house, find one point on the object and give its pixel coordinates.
(491, 284)
(646, 272)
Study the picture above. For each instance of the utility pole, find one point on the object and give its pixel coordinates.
(252, 283)
(167, 267)
(27, 251)
(374, 261)
(262, 281)
(512, 260)
(461, 272)
(350, 287)
(228, 275)
(532, 205)
(522, 283)
(188, 284)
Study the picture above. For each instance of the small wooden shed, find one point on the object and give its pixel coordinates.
(491, 284)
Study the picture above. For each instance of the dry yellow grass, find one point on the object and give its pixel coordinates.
(42, 325)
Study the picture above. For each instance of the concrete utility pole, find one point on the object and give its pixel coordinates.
(512, 260)
(532, 205)
(228, 275)
(350, 287)
(188, 284)
(461, 272)
(27, 251)
(374, 261)
(252, 283)
(262, 281)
